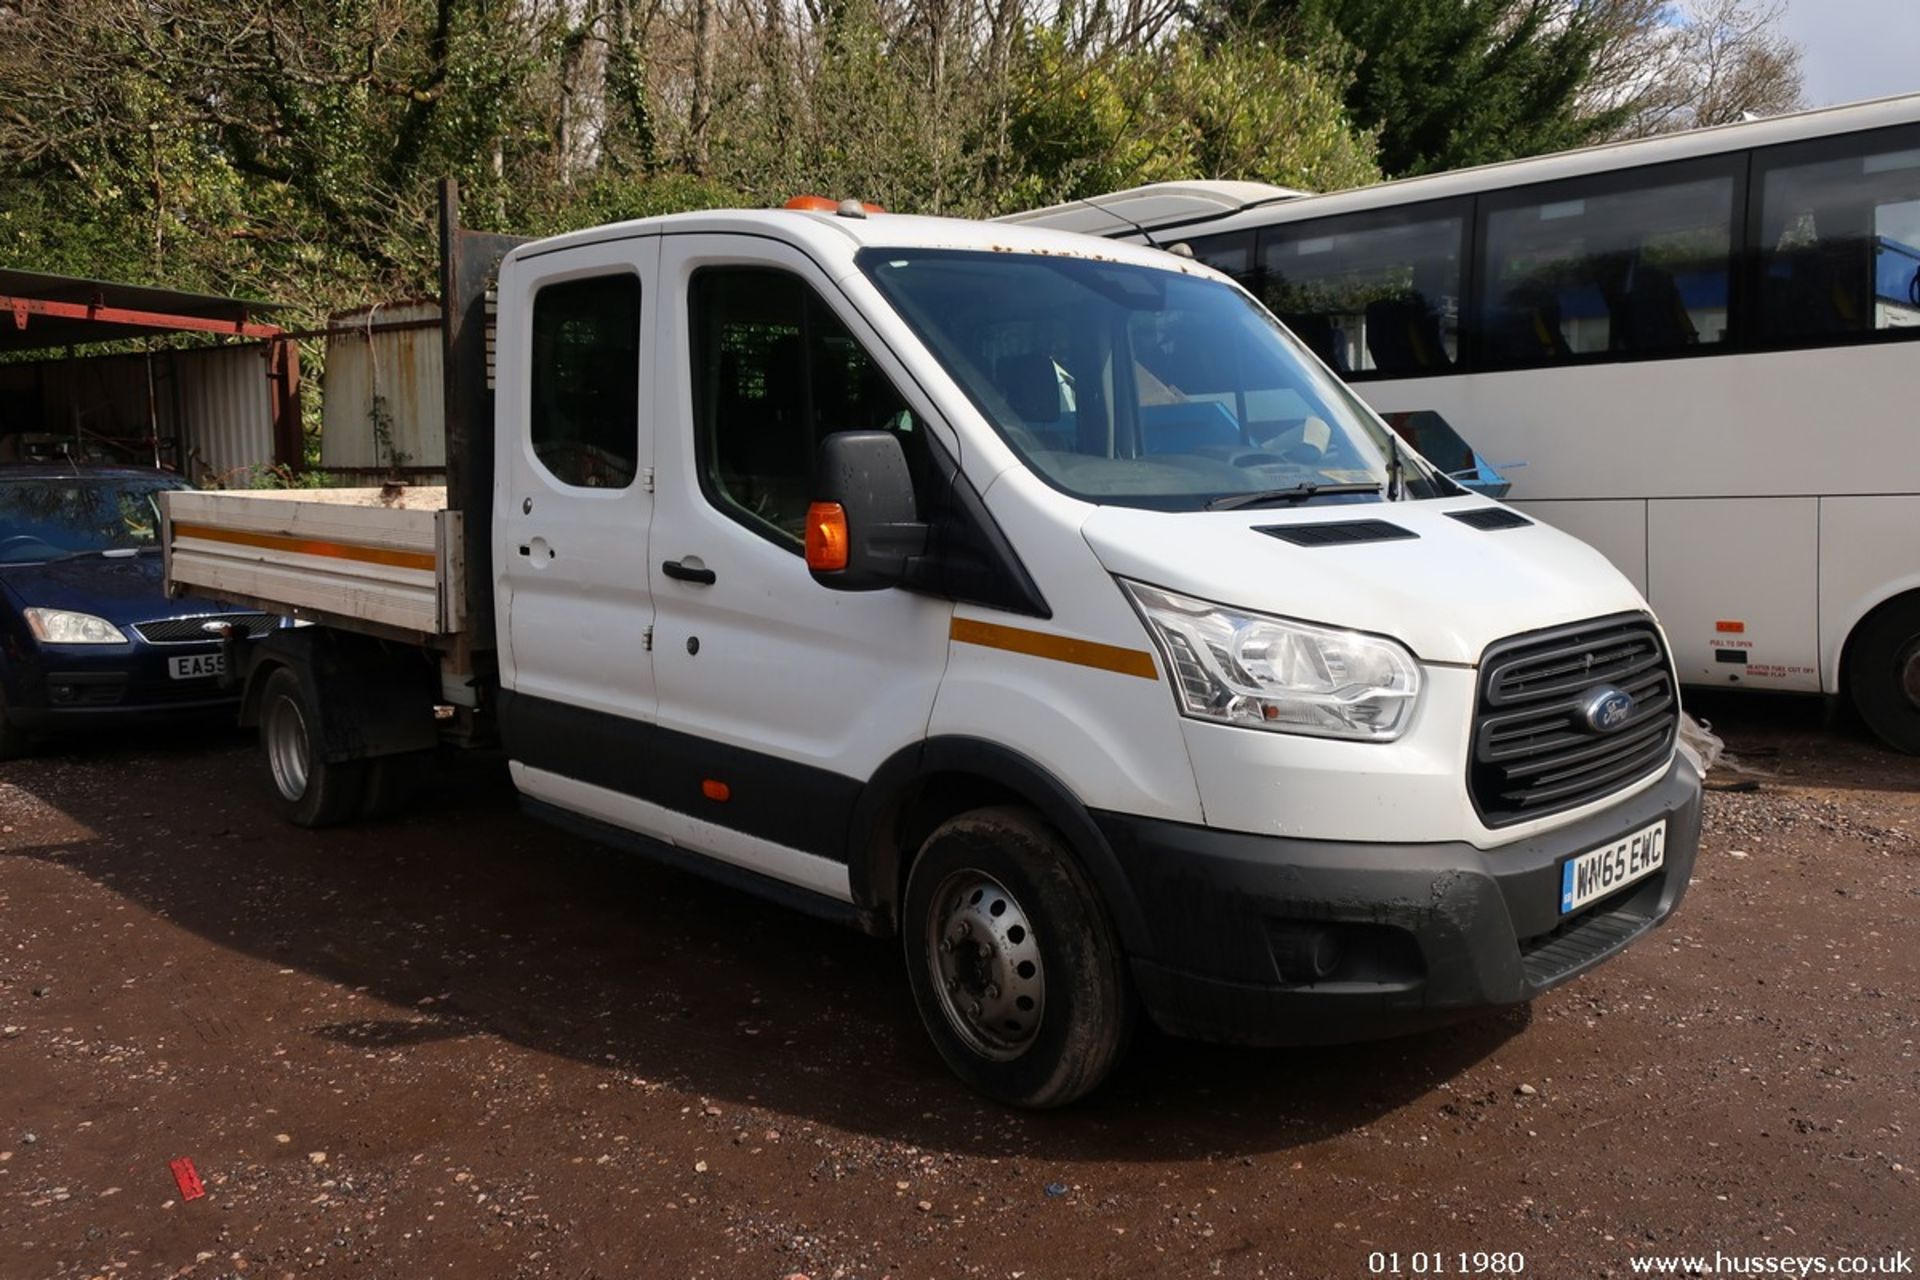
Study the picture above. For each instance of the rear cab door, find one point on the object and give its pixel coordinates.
(572, 498)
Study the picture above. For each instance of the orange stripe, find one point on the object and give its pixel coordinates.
(1042, 644)
(309, 546)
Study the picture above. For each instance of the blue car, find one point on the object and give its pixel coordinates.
(88, 638)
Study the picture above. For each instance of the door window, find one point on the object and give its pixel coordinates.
(774, 373)
(585, 416)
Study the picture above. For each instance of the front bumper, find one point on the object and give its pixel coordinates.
(72, 688)
(1267, 940)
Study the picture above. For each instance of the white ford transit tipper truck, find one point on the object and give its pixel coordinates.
(1036, 598)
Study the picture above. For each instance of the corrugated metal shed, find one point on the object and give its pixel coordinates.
(383, 404)
(226, 411)
(208, 412)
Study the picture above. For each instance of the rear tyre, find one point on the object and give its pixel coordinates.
(313, 791)
(1014, 965)
(1883, 673)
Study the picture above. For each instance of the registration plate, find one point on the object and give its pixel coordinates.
(196, 666)
(1598, 872)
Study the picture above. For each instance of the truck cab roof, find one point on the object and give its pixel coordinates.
(835, 237)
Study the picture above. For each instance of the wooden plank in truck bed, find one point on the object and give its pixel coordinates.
(366, 558)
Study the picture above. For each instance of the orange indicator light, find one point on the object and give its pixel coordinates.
(827, 540)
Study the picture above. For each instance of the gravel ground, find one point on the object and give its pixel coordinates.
(461, 1044)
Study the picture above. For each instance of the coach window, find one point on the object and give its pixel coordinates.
(1838, 240)
(1623, 265)
(1373, 294)
(1231, 254)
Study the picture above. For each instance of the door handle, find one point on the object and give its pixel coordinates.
(696, 572)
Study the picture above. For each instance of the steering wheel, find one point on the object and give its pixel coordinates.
(18, 538)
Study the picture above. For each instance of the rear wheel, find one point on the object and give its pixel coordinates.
(1883, 672)
(1013, 963)
(314, 792)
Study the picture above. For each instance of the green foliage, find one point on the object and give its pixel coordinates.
(617, 198)
(1450, 83)
(288, 149)
(1239, 108)
(283, 477)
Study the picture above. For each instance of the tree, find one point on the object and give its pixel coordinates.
(1237, 107)
(1664, 66)
(1448, 83)
(289, 148)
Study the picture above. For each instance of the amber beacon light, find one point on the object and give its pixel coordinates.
(824, 204)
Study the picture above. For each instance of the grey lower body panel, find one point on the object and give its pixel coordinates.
(1267, 940)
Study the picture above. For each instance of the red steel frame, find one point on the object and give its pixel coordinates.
(24, 307)
(283, 356)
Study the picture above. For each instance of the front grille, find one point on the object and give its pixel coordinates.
(194, 630)
(1534, 750)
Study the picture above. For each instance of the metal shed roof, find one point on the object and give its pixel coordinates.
(39, 310)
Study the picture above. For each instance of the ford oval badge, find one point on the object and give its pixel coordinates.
(1607, 708)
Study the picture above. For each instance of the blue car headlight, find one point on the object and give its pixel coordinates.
(64, 626)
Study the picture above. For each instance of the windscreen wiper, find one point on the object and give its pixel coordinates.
(1298, 493)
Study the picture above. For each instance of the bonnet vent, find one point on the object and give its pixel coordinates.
(1337, 532)
(1491, 518)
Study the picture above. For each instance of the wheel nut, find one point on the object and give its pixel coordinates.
(946, 944)
(974, 1008)
(993, 991)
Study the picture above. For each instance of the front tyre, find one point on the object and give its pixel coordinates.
(313, 791)
(1883, 672)
(1013, 963)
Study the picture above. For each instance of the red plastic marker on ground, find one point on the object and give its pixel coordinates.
(183, 1173)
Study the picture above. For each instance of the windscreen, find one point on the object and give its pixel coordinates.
(1134, 386)
(49, 518)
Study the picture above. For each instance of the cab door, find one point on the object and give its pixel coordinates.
(778, 698)
(572, 503)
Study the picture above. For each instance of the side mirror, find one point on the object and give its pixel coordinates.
(863, 527)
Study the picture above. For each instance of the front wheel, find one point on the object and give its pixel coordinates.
(1883, 673)
(1013, 963)
(313, 791)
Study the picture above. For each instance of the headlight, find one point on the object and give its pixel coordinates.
(1269, 673)
(61, 626)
